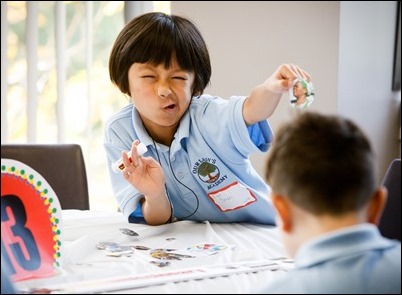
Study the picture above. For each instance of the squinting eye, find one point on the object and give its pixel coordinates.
(179, 78)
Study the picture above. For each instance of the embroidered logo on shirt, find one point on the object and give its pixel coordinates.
(208, 172)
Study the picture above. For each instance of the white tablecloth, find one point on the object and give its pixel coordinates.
(248, 257)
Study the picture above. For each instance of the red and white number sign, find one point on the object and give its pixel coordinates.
(30, 222)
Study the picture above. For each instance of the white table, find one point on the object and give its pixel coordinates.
(248, 257)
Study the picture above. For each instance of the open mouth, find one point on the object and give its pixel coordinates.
(170, 107)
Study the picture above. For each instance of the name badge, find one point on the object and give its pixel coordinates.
(232, 197)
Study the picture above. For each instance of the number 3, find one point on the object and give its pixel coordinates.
(23, 238)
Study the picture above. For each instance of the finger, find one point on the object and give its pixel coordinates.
(126, 174)
(151, 162)
(302, 73)
(298, 72)
(284, 78)
(126, 160)
(134, 154)
(306, 76)
(293, 74)
(295, 71)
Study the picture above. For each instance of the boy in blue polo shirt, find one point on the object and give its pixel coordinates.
(321, 171)
(197, 163)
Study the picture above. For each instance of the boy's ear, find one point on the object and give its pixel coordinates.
(282, 207)
(376, 205)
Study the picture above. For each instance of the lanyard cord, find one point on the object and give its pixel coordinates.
(167, 192)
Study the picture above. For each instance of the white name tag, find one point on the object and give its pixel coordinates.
(232, 197)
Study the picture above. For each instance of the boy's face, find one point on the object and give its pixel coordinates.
(160, 95)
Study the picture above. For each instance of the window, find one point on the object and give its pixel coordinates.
(55, 81)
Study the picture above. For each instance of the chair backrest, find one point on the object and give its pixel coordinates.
(390, 224)
(62, 165)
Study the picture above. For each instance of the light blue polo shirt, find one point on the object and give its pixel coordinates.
(207, 168)
(357, 260)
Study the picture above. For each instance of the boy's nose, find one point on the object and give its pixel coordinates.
(164, 91)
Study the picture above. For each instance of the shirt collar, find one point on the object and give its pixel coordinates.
(341, 243)
(182, 132)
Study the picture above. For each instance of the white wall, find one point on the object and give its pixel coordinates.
(249, 40)
(366, 54)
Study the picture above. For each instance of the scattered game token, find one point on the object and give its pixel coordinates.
(129, 232)
(103, 245)
(160, 263)
(138, 247)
